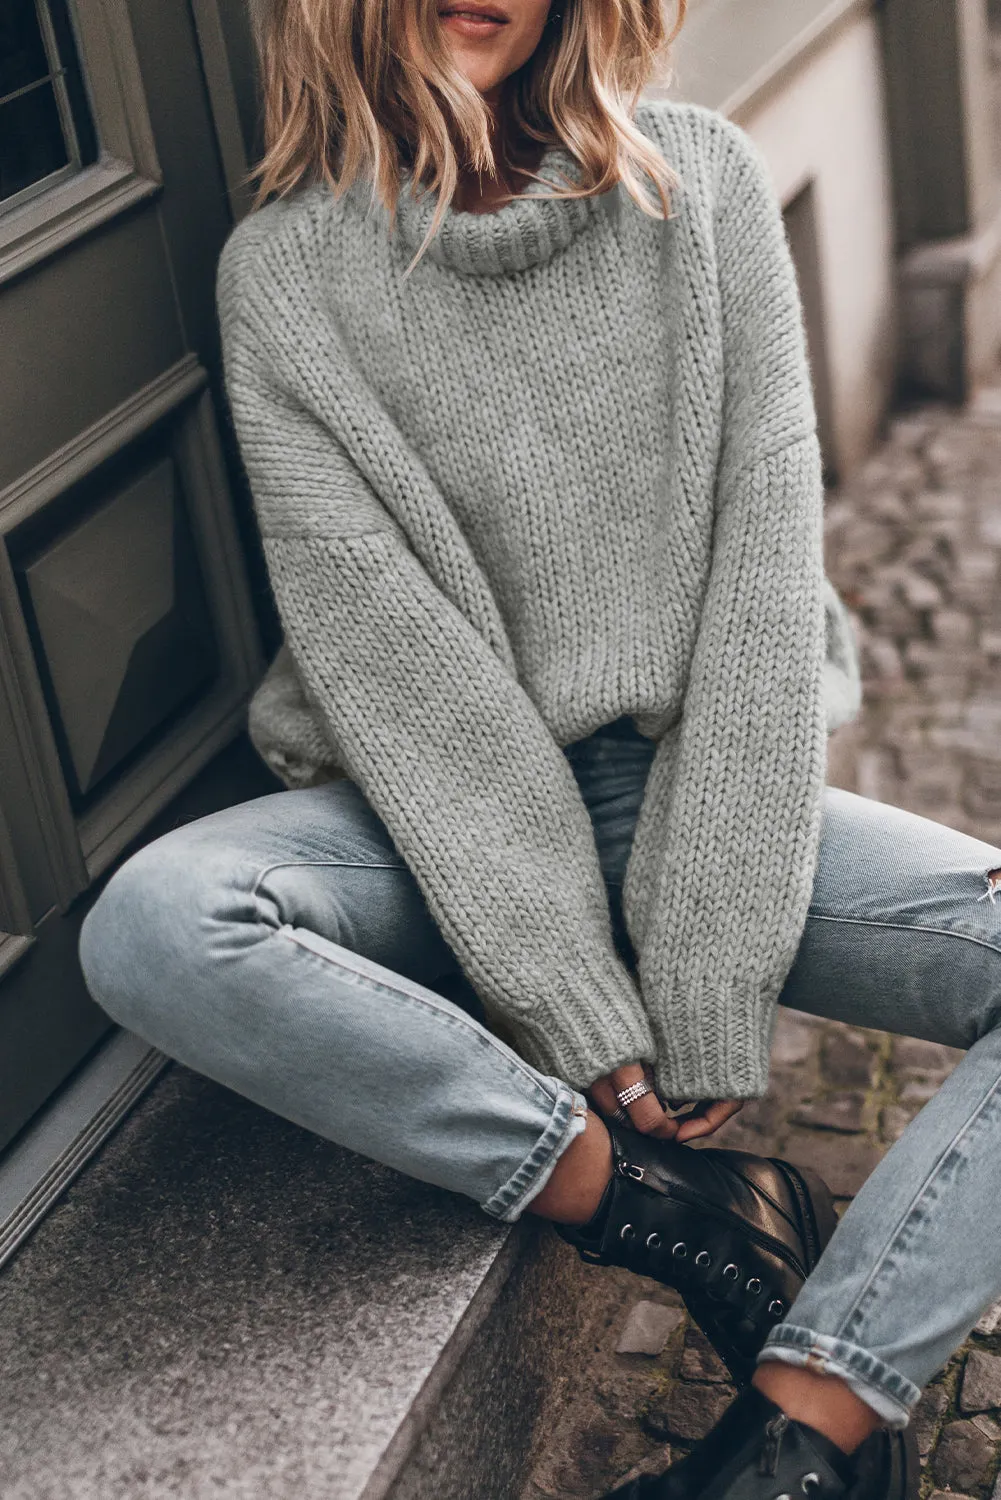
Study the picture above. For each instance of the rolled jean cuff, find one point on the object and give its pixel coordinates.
(891, 1395)
(568, 1119)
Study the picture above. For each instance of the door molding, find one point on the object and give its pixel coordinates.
(15, 913)
(89, 449)
(24, 722)
(56, 1146)
(12, 950)
(178, 405)
(218, 72)
(21, 698)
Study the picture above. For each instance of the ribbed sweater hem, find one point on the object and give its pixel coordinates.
(578, 1043)
(713, 1041)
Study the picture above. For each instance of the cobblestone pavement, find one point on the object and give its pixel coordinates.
(914, 547)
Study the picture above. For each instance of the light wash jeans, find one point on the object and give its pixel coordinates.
(282, 948)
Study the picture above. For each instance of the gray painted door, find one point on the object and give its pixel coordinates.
(128, 639)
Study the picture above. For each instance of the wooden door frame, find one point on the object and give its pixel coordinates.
(223, 103)
(73, 1125)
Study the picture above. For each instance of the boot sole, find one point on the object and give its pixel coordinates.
(913, 1463)
(890, 1469)
(890, 1466)
(905, 1478)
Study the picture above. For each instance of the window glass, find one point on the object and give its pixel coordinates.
(22, 51)
(45, 124)
(32, 146)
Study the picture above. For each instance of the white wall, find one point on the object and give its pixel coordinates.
(826, 121)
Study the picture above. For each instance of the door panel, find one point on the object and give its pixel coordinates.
(128, 640)
(47, 1020)
(226, 40)
(195, 214)
(48, 871)
(118, 616)
(15, 902)
(81, 333)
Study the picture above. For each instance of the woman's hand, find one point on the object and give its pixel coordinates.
(706, 1117)
(647, 1115)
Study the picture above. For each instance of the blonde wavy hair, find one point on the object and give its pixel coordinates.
(367, 88)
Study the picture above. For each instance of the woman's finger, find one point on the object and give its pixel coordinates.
(624, 1078)
(649, 1118)
(708, 1117)
(672, 1106)
(602, 1095)
(646, 1114)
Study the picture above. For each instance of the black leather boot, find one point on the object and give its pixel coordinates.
(756, 1452)
(736, 1234)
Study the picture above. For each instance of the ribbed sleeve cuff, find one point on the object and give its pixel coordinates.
(586, 1031)
(713, 1040)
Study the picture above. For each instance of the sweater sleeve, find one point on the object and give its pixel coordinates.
(449, 750)
(722, 865)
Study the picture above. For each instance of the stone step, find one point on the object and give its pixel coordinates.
(226, 1305)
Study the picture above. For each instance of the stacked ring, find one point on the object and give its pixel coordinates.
(633, 1092)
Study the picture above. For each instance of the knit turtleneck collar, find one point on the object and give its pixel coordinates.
(527, 231)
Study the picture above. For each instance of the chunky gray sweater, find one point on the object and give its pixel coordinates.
(567, 471)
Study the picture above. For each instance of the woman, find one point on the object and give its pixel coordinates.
(517, 371)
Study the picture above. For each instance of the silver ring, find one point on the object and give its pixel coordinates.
(633, 1092)
(620, 1117)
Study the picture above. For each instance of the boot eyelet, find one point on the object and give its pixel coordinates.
(809, 1482)
(776, 1308)
(731, 1272)
(653, 1241)
(754, 1286)
(627, 1232)
(703, 1259)
(680, 1250)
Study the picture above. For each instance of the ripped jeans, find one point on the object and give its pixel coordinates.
(282, 948)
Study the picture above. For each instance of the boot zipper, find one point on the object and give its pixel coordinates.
(766, 1243)
(628, 1169)
(774, 1433)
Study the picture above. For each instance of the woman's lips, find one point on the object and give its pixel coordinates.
(469, 23)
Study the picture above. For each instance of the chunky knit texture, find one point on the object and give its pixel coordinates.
(567, 471)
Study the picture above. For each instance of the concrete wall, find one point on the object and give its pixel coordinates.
(824, 122)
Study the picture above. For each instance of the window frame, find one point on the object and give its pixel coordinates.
(56, 76)
(67, 204)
